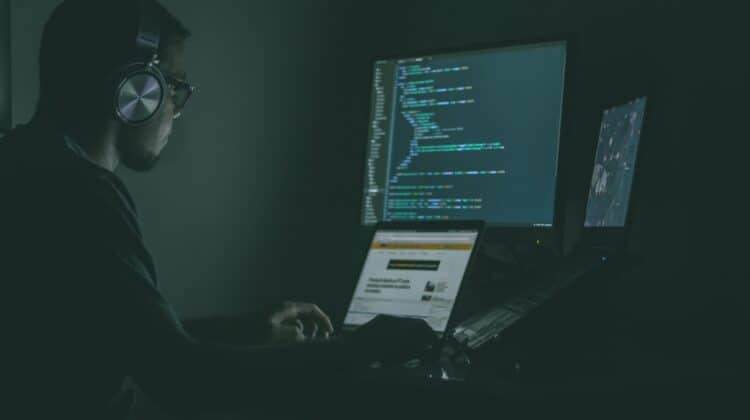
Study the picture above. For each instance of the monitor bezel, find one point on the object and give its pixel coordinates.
(426, 226)
(614, 237)
(571, 47)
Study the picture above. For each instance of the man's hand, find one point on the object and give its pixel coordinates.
(293, 322)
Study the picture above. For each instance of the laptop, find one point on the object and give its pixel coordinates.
(415, 270)
(609, 200)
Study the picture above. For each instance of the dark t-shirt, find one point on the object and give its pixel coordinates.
(82, 315)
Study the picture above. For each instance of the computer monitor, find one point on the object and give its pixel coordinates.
(467, 135)
(415, 272)
(614, 165)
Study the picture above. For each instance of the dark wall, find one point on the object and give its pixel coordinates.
(258, 195)
(5, 101)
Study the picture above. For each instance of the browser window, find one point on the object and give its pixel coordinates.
(412, 274)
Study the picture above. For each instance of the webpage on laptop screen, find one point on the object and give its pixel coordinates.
(412, 274)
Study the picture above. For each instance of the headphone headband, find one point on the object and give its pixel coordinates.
(149, 31)
(140, 86)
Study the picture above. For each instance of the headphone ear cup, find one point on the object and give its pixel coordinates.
(139, 94)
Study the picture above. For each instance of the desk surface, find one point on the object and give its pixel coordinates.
(629, 375)
(591, 356)
(568, 359)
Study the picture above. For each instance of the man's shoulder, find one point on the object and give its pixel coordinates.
(42, 178)
(99, 200)
(34, 152)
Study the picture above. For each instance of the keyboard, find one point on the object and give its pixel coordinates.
(490, 323)
(486, 326)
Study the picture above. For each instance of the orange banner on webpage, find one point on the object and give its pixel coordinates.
(436, 246)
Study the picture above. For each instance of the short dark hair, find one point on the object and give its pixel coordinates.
(83, 43)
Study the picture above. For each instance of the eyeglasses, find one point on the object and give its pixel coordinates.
(181, 92)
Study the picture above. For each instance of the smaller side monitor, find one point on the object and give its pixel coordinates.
(614, 165)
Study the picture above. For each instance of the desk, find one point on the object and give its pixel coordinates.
(628, 377)
(589, 360)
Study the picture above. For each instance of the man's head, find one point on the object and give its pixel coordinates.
(84, 46)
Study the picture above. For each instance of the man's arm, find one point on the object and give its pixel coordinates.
(247, 329)
(152, 343)
(281, 323)
(186, 375)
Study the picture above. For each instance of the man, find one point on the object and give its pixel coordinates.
(82, 315)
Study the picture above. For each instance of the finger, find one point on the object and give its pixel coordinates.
(311, 328)
(298, 336)
(319, 317)
(293, 324)
(292, 310)
(287, 311)
(288, 334)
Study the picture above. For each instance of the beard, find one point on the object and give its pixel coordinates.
(140, 147)
(138, 160)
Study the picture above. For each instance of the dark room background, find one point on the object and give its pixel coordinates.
(257, 198)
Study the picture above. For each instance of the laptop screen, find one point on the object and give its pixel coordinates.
(413, 274)
(614, 165)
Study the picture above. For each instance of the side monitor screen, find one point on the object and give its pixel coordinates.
(616, 152)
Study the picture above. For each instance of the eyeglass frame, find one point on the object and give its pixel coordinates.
(176, 83)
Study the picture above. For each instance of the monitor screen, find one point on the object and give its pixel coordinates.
(412, 274)
(471, 135)
(614, 165)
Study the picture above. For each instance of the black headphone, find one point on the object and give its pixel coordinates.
(140, 86)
